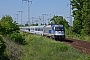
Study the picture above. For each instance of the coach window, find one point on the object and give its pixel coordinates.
(32, 28)
(35, 29)
(41, 29)
(38, 29)
(28, 29)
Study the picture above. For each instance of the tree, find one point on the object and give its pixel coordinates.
(36, 24)
(45, 24)
(2, 46)
(26, 24)
(86, 16)
(77, 7)
(81, 11)
(59, 20)
(7, 25)
(41, 24)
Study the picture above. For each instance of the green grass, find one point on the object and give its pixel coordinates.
(42, 48)
(78, 36)
(73, 35)
(70, 34)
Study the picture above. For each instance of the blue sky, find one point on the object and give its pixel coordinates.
(37, 8)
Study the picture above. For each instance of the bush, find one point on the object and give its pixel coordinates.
(2, 46)
(7, 25)
(17, 37)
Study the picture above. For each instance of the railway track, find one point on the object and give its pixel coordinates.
(80, 45)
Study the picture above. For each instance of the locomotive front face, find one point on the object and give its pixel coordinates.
(59, 31)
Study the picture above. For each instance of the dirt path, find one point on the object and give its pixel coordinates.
(83, 46)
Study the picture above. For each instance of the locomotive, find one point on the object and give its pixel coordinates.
(54, 31)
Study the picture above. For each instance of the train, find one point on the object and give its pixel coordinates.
(56, 32)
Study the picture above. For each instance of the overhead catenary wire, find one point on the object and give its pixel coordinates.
(60, 9)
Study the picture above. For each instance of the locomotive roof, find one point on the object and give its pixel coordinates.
(37, 26)
(54, 25)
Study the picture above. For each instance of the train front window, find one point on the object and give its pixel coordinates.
(59, 28)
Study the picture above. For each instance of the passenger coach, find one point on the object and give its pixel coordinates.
(36, 30)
